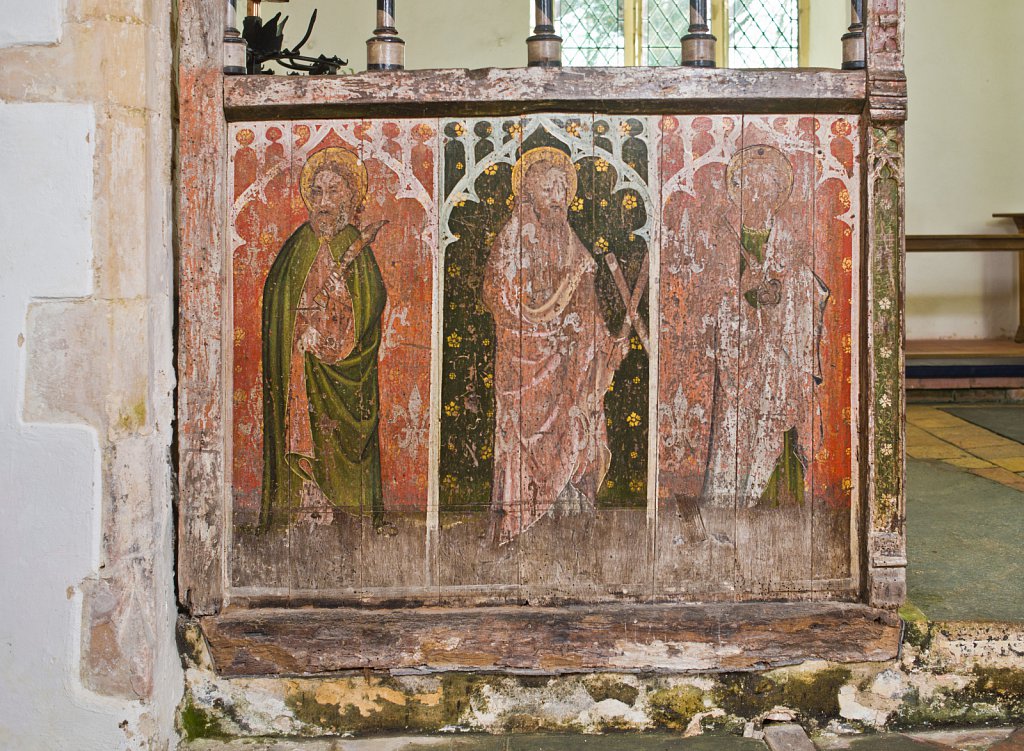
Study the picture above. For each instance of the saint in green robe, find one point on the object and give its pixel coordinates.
(343, 396)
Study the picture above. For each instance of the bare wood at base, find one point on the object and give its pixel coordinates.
(680, 639)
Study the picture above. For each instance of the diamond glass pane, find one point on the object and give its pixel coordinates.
(764, 34)
(665, 24)
(591, 31)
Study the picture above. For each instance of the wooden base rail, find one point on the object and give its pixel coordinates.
(981, 244)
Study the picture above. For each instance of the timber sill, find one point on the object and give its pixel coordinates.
(550, 641)
(514, 91)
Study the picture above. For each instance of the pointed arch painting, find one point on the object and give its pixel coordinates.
(565, 355)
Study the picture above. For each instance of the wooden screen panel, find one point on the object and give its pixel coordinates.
(837, 237)
(477, 161)
(543, 467)
(698, 342)
(331, 456)
(756, 355)
(514, 440)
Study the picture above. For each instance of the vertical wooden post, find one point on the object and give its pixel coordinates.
(234, 45)
(699, 42)
(854, 47)
(385, 50)
(203, 332)
(544, 48)
(885, 118)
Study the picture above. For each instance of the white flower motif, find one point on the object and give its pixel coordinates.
(886, 450)
(885, 303)
(885, 401)
(885, 353)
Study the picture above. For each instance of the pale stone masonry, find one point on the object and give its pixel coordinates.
(86, 409)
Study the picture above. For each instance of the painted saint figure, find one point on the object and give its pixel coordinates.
(767, 360)
(322, 307)
(554, 356)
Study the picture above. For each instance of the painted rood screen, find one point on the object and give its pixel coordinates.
(554, 355)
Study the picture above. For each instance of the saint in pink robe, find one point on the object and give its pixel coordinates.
(554, 362)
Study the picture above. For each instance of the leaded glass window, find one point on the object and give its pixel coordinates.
(665, 23)
(760, 33)
(764, 34)
(592, 32)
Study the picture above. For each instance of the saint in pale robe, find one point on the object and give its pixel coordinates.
(765, 342)
(322, 307)
(554, 355)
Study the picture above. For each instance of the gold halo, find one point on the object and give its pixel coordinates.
(770, 157)
(557, 157)
(349, 163)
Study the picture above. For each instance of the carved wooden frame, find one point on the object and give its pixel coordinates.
(207, 100)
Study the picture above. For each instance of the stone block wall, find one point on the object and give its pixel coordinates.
(86, 375)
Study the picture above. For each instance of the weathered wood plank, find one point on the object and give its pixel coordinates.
(201, 272)
(498, 91)
(837, 238)
(696, 536)
(550, 641)
(886, 253)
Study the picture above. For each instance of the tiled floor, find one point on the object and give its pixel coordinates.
(965, 512)
(935, 434)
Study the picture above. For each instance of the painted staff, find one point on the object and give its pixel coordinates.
(544, 48)
(385, 50)
(631, 301)
(853, 41)
(234, 45)
(699, 43)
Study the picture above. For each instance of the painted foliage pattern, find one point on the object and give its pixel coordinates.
(551, 238)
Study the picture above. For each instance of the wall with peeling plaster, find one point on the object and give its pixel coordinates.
(86, 627)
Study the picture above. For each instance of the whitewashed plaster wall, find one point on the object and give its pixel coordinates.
(965, 161)
(87, 650)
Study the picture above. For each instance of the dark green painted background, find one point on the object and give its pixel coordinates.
(467, 393)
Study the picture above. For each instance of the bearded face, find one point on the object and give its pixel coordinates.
(547, 190)
(331, 203)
